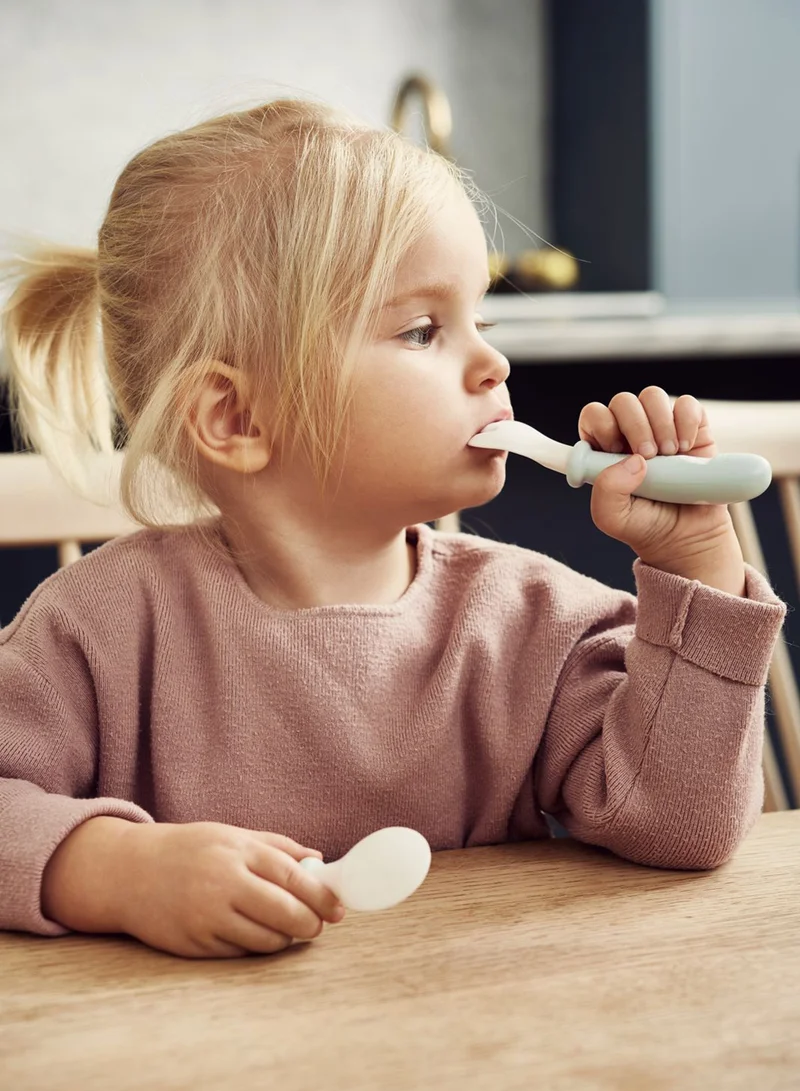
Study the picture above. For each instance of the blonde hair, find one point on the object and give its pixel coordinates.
(266, 239)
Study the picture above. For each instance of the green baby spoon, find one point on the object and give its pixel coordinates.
(672, 479)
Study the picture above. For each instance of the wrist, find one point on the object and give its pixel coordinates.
(719, 565)
(84, 885)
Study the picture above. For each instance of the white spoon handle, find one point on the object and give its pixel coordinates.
(672, 479)
(681, 479)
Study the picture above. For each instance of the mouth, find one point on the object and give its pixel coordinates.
(500, 415)
(503, 414)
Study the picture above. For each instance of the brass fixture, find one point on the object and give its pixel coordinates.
(545, 269)
(437, 118)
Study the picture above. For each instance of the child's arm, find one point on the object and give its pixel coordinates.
(48, 754)
(653, 746)
(71, 861)
(197, 889)
(653, 742)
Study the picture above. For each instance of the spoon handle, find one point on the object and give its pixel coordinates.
(681, 479)
(312, 864)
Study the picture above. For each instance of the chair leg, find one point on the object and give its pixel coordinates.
(786, 703)
(774, 791)
(782, 682)
(450, 524)
(789, 492)
(68, 552)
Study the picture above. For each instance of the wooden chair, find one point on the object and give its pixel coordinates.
(37, 508)
(771, 429)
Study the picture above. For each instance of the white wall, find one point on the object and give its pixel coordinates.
(85, 83)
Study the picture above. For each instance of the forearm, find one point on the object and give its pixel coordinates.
(675, 785)
(653, 746)
(83, 886)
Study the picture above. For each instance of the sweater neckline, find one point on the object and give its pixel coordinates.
(421, 535)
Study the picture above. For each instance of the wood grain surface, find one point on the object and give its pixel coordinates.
(540, 966)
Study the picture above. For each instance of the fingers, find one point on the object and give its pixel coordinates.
(271, 906)
(687, 414)
(285, 896)
(625, 425)
(612, 502)
(598, 426)
(287, 845)
(243, 936)
(658, 410)
(236, 937)
(694, 432)
(647, 425)
(645, 422)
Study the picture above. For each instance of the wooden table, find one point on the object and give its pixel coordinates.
(542, 966)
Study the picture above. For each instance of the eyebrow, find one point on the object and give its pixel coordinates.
(435, 289)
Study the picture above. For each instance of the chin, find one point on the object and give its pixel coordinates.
(480, 490)
(489, 483)
(482, 496)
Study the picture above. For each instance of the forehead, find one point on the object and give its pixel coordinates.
(453, 248)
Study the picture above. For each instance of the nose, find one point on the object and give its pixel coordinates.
(487, 368)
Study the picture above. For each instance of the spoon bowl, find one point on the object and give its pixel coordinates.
(380, 871)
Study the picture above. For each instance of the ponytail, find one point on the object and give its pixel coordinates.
(59, 388)
(232, 241)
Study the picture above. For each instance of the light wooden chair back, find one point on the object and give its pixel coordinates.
(771, 429)
(37, 508)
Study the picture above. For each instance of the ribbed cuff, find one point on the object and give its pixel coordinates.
(43, 825)
(730, 636)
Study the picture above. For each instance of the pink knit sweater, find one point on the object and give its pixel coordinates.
(147, 681)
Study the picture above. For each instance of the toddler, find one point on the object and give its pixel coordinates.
(283, 315)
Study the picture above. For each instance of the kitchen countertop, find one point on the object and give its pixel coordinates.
(573, 326)
(601, 327)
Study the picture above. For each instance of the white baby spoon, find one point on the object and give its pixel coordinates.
(382, 869)
(674, 479)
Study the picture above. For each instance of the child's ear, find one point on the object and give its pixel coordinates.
(222, 424)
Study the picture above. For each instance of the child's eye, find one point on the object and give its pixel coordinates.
(421, 336)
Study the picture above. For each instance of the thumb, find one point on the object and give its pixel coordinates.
(612, 502)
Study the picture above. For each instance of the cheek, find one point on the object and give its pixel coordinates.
(391, 408)
(407, 447)
(411, 410)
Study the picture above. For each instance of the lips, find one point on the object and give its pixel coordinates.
(500, 415)
(504, 414)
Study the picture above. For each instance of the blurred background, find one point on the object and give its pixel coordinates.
(86, 83)
(652, 143)
(654, 139)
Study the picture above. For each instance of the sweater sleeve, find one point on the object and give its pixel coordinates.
(653, 744)
(48, 759)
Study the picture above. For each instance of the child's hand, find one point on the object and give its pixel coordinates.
(207, 890)
(200, 889)
(693, 540)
